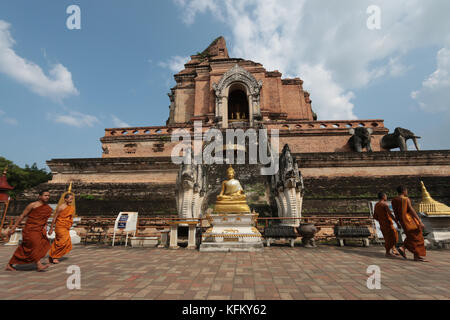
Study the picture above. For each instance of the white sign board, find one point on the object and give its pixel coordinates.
(125, 222)
(376, 223)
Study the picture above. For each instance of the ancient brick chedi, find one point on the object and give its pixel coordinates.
(136, 173)
(218, 90)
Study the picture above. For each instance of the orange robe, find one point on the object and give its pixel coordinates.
(35, 244)
(414, 241)
(62, 243)
(383, 215)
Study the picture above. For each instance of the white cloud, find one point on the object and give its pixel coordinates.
(193, 7)
(330, 38)
(397, 68)
(119, 123)
(394, 68)
(57, 85)
(434, 96)
(175, 63)
(11, 121)
(333, 102)
(75, 119)
(7, 120)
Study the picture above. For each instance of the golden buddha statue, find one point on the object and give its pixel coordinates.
(231, 198)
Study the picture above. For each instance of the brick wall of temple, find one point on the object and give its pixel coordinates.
(375, 164)
(108, 199)
(327, 197)
(323, 196)
(298, 143)
(317, 165)
(350, 195)
(303, 136)
(336, 183)
(323, 143)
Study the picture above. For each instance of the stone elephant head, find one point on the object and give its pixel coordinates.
(398, 139)
(360, 139)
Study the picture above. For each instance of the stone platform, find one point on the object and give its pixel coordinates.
(232, 232)
(231, 246)
(439, 228)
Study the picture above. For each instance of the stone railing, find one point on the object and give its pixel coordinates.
(149, 131)
(329, 124)
(290, 125)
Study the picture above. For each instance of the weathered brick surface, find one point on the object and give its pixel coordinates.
(108, 199)
(350, 195)
(326, 194)
(323, 196)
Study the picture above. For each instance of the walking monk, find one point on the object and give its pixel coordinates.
(62, 221)
(411, 224)
(383, 214)
(35, 243)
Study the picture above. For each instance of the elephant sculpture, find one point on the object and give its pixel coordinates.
(360, 139)
(398, 139)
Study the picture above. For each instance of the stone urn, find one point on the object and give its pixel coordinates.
(307, 232)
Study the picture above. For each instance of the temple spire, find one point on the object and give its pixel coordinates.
(217, 48)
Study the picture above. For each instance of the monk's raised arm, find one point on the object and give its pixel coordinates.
(24, 214)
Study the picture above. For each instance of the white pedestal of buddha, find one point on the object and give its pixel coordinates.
(233, 225)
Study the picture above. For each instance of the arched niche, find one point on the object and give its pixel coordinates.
(238, 108)
(237, 82)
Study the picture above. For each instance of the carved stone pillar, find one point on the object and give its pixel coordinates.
(224, 111)
(250, 108)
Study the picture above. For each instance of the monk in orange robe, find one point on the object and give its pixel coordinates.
(35, 243)
(383, 215)
(63, 221)
(411, 225)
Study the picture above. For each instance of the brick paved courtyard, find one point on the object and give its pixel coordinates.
(280, 272)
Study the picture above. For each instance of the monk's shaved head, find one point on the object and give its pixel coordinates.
(401, 189)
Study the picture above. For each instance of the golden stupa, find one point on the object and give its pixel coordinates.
(430, 206)
(231, 198)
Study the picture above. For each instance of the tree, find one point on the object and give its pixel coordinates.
(23, 178)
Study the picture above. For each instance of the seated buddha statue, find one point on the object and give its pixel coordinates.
(231, 198)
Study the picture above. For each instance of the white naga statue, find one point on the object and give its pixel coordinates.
(190, 191)
(287, 189)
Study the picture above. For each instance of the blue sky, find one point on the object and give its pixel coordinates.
(60, 88)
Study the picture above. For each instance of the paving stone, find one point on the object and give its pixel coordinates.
(326, 272)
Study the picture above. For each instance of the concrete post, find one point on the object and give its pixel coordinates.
(174, 236)
(164, 238)
(191, 237)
